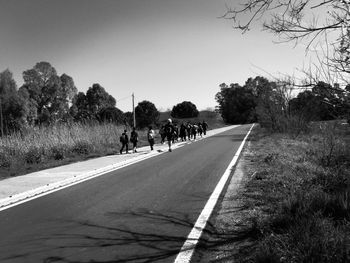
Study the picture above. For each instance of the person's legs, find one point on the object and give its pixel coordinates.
(121, 149)
(169, 143)
(127, 148)
(151, 143)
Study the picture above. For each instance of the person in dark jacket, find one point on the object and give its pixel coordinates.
(134, 138)
(183, 132)
(200, 129)
(162, 134)
(169, 131)
(194, 130)
(189, 129)
(124, 139)
(204, 127)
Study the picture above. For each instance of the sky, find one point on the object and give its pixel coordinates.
(163, 51)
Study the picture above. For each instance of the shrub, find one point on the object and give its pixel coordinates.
(58, 152)
(82, 147)
(34, 155)
(5, 160)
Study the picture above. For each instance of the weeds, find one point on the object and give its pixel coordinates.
(37, 147)
(301, 189)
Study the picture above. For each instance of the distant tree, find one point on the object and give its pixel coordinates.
(128, 118)
(305, 104)
(146, 114)
(236, 103)
(50, 93)
(323, 102)
(185, 109)
(98, 98)
(13, 107)
(111, 114)
(97, 104)
(79, 109)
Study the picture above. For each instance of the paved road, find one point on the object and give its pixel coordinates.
(141, 213)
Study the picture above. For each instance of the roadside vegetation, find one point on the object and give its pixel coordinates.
(46, 122)
(42, 147)
(297, 201)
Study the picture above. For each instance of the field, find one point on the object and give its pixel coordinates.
(296, 200)
(45, 147)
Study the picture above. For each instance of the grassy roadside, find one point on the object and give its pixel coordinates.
(296, 201)
(46, 147)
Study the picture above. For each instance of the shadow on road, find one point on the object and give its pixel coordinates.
(234, 138)
(156, 237)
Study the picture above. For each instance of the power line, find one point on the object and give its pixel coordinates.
(124, 98)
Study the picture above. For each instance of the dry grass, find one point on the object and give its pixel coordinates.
(297, 201)
(44, 147)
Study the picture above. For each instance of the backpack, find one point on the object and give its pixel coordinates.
(150, 135)
(123, 138)
(169, 130)
(133, 137)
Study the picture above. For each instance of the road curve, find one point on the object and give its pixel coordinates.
(140, 213)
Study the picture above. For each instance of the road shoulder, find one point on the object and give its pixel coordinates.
(220, 240)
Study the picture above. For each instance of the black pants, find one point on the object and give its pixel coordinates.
(127, 148)
(151, 143)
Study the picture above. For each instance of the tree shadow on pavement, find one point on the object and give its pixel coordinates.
(234, 138)
(87, 241)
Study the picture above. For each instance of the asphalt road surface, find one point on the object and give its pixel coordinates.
(140, 213)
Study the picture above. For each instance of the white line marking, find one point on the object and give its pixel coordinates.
(189, 246)
(51, 188)
(29, 195)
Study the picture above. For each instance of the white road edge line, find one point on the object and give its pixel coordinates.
(29, 195)
(189, 246)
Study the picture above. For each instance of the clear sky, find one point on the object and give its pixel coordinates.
(165, 51)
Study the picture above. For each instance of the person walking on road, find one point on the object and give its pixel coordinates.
(162, 134)
(204, 127)
(124, 139)
(200, 129)
(189, 129)
(134, 138)
(150, 137)
(183, 132)
(194, 131)
(169, 131)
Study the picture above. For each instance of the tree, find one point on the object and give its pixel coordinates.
(98, 98)
(313, 21)
(146, 114)
(236, 103)
(79, 109)
(128, 118)
(111, 114)
(97, 104)
(185, 109)
(13, 107)
(50, 93)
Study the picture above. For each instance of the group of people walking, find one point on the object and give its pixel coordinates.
(169, 132)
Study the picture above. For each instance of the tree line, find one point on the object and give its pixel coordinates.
(273, 104)
(46, 98)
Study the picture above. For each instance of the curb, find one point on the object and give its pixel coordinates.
(16, 199)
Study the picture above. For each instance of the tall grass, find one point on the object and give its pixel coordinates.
(299, 197)
(40, 145)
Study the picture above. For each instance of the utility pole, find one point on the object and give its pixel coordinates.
(133, 109)
(1, 120)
